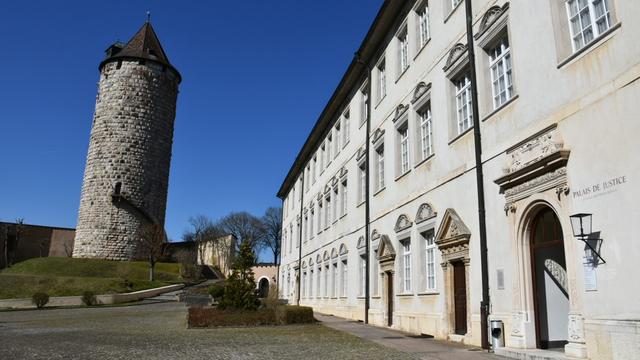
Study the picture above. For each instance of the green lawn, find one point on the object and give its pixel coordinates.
(59, 276)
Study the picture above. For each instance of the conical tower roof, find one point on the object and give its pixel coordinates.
(143, 45)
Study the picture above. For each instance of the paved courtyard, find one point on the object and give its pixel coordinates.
(158, 331)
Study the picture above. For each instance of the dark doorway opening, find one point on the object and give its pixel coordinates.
(389, 298)
(460, 297)
(551, 297)
(263, 288)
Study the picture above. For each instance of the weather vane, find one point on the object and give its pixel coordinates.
(148, 16)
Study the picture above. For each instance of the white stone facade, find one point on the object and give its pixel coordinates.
(557, 140)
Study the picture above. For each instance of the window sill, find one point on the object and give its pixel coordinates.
(360, 297)
(345, 144)
(376, 297)
(402, 74)
(379, 191)
(507, 103)
(452, 11)
(460, 135)
(343, 216)
(360, 204)
(335, 221)
(422, 48)
(403, 175)
(590, 45)
(405, 295)
(424, 160)
(343, 298)
(429, 293)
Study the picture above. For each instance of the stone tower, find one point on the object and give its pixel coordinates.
(127, 171)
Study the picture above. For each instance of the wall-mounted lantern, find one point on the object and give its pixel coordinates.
(581, 226)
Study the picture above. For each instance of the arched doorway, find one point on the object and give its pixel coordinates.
(550, 289)
(263, 287)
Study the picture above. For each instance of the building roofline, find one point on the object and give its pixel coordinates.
(40, 226)
(384, 20)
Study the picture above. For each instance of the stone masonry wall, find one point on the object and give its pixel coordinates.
(130, 143)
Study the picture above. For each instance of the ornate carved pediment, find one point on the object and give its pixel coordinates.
(453, 235)
(425, 212)
(361, 153)
(334, 253)
(386, 252)
(402, 223)
(304, 264)
(310, 262)
(327, 189)
(318, 259)
(535, 165)
(490, 18)
(375, 235)
(400, 110)
(454, 54)
(377, 135)
(334, 181)
(343, 250)
(325, 256)
(420, 90)
(319, 197)
(361, 242)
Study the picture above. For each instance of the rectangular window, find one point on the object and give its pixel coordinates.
(320, 214)
(362, 182)
(500, 66)
(311, 288)
(311, 223)
(362, 275)
(319, 282)
(463, 103)
(313, 169)
(423, 24)
(364, 104)
(322, 156)
(343, 198)
(304, 228)
(334, 281)
(336, 212)
(406, 262)
(336, 143)
(345, 281)
(329, 147)
(380, 167)
(382, 81)
(327, 283)
(375, 275)
(587, 20)
(303, 292)
(426, 136)
(430, 260)
(327, 208)
(403, 138)
(346, 129)
(403, 44)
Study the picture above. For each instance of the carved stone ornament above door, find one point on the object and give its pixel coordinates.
(536, 164)
(453, 236)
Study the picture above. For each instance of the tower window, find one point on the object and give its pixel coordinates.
(119, 64)
(118, 188)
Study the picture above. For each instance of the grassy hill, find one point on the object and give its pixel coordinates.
(59, 276)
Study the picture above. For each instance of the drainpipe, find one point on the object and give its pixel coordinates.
(367, 302)
(484, 304)
(300, 234)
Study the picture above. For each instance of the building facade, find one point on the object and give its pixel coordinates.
(127, 172)
(20, 242)
(556, 84)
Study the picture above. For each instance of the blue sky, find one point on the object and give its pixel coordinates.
(256, 75)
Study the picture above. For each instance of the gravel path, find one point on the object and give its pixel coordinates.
(158, 331)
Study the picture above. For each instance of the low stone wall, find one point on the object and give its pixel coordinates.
(102, 299)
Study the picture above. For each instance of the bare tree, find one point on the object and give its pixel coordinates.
(152, 245)
(245, 228)
(272, 223)
(203, 233)
(4, 236)
(18, 231)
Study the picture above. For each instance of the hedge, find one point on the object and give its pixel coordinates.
(199, 317)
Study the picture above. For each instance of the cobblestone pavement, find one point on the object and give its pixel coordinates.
(157, 330)
(421, 348)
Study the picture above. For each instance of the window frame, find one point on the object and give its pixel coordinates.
(381, 76)
(596, 32)
(380, 170)
(461, 91)
(505, 60)
(406, 266)
(425, 121)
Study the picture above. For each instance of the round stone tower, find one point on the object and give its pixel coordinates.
(127, 171)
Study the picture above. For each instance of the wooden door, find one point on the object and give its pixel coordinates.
(460, 297)
(389, 298)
